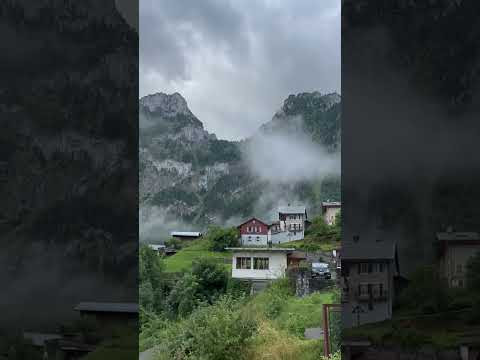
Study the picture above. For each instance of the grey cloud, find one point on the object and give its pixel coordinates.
(235, 62)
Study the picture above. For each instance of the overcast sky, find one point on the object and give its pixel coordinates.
(235, 61)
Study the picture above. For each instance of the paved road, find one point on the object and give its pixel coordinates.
(314, 333)
(146, 355)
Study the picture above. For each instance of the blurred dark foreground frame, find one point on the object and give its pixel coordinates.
(69, 169)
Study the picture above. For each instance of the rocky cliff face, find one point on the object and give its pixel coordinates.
(189, 178)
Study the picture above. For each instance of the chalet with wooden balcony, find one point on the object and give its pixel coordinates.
(368, 269)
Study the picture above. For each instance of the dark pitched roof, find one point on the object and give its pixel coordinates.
(298, 255)
(369, 250)
(331, 204)
(292, 210)
(107, 307)
(253, 218)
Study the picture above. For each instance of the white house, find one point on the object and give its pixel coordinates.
(259, 264)
(290, 225)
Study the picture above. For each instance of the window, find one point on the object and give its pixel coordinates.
(363, 290)
(244, 263)
(249, 238)
(459, 268)
(381, 267)
(258, 238)
(260, 263)
(363, 268)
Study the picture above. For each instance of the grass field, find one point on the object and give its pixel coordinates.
(280, 318)
(325, 246)
(182, 260)
(308, 309)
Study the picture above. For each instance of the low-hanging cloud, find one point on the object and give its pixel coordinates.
(156, 224)
(283, 158)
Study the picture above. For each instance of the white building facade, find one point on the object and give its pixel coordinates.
(290, 225)
(259, 264)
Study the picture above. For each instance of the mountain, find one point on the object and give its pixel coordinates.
(189, 178)
(312, 113)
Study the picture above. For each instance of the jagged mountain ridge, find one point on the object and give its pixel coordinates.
(188, 174)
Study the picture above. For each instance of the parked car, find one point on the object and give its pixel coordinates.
(321, 270)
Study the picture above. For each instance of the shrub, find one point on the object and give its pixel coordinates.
(220, 238)
(217, 332)
(174, 243)
(237, 288)
(427, 291)
(334, 356)
(295, 324)
(204, 284)
(272, 300)
(146, 296)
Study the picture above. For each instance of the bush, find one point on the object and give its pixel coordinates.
(334, 356)
(272, 300)
(218, 332)
(237, 288)
(220, 238)
(295, 324)
(205, 284)
(427, 291)
(174, 243)
(146, 296)
(318, 227)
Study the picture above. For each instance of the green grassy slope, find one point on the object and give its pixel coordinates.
(182, 260)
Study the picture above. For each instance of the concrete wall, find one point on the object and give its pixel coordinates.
(277, 266)
(329, 215)
(283, 236)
